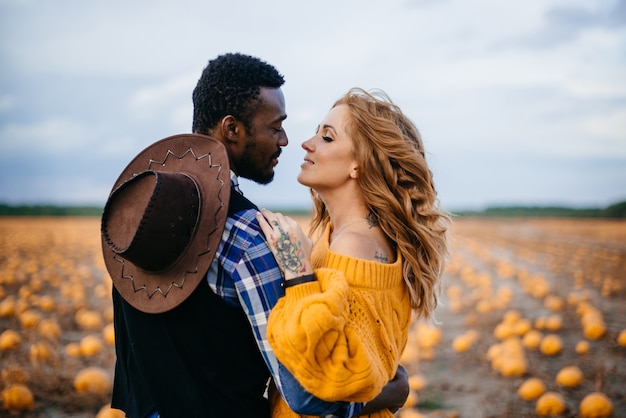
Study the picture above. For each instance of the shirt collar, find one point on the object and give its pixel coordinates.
(234, 181)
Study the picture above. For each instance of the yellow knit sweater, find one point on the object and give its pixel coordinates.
(342, 336)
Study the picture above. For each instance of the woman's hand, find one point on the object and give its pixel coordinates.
(288, 242)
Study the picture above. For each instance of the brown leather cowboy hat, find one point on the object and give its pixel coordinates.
(164, 219)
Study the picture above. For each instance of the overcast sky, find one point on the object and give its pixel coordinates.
(518, 102)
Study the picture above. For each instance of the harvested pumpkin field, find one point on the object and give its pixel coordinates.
(532, 321)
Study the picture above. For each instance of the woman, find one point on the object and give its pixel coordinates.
(343, 323)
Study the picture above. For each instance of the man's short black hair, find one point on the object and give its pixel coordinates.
(230, 85)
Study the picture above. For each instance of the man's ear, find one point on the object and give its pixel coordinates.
(230, 129)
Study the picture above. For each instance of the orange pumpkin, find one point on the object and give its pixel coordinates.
(553, 303)
(540, 322)
(596, 405)
(49, 328)
(73, 350)
(10, 340)
(93, 380)
(417, 382)
(551, 345)
(108, 333)
(531, 389)
(17, 397)
(29, 319)
(550, 403)
(90, 345)
(428, 337)
(554, 322)
(532, 339)
(464, 341)
(411, 400)
(503, 330)
(594, 330)
(514, 366)
(511, 316)
(582, 347)
(521, 327)
(41, 353)
(88, 319)
(508, 357)
(7, 307)
(46, 303)
(108, 314)
(108, 412)
(570, 376)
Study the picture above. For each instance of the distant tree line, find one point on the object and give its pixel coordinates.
(614, 211)
(52, 210)
(49, 210)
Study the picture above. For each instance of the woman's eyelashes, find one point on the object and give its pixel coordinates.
(324, 137)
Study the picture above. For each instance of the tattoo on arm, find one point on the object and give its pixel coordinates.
(288, 252)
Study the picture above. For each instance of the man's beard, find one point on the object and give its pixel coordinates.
(247, 170)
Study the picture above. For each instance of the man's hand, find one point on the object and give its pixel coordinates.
(288, 242)
(392, 397)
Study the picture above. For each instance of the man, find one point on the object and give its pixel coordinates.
(198, 348)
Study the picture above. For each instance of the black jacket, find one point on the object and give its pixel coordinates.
(198, 360)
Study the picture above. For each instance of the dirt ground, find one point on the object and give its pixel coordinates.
(578, 260)
(497, 267)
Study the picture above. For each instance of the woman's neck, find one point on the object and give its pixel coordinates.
(341, 216)
(344, 206)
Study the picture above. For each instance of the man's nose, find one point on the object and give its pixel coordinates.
(283, 141)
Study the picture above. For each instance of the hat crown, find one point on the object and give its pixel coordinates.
(163, 221)
(150, 219)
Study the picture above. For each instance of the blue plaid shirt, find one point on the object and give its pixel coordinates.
(244, 273)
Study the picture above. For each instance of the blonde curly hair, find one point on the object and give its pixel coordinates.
(399, 192)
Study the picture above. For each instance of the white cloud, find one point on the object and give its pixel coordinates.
(6, 103)
(535, 81)
(152, 102)
(53, 135)
(65, 137)
(609, 128)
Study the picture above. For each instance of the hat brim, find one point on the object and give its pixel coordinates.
(205, 160)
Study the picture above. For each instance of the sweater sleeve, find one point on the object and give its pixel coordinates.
(312, 337)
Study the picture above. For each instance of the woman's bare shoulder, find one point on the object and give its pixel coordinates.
(363, 245)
